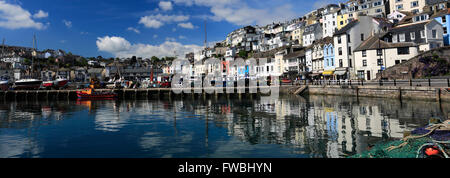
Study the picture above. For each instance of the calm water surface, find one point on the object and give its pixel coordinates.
(290, 127)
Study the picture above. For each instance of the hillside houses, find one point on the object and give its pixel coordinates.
(342, 41)
(345, 41)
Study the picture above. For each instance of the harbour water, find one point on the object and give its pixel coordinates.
(289, 127)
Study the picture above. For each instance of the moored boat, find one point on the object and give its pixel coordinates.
(91, 94)
(47, 84)
(60, 82)
(27, 84)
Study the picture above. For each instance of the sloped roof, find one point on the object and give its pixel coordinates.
(373, 42)
(295, 54)
(441, 13)
(403, 27)
(346, 28)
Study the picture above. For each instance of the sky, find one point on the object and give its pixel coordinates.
(143, 28)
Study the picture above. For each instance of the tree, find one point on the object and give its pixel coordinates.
(243, 54)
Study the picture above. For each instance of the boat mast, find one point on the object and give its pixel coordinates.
(32, 55)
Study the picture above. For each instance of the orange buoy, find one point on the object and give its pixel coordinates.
(432, 151)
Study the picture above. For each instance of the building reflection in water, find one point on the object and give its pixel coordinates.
(317, 126)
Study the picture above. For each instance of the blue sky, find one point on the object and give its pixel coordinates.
(118, 28)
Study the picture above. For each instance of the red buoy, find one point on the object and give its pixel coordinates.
(432, 151)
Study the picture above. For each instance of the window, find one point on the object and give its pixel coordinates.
(361, 74)
(349, 50)
(364, 53)
(444, 20)
(403, 50)
(397, 62)
(364, 62)
(377, 3)
(413, 35)
(379, 10)
(394, 38)
(339, 40)
(340, 63)
(348, 39)
(422, 34)
(350, 63)
(362, 36)
(445, 30)
(380, 62)
(379, 52)
(340, 51)
(399, 7)
(402, 37)
(332, 62)
(341, 22)
(434, 33)
(414, 4)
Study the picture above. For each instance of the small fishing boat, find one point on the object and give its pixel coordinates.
(47, 84)
(60, 82)
(91, 94)
(27, 84)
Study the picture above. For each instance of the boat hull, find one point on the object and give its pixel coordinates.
(28, 85)
(61, 83)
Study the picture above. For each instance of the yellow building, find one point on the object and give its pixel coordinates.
(342, 20)
(297, 35)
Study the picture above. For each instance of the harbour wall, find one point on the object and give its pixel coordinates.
(402, 93)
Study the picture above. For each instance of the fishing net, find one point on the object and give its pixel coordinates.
(407, 151)
(411, 146)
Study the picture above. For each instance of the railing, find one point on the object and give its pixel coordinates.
(443, 83)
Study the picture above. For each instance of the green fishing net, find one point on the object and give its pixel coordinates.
(407, 151)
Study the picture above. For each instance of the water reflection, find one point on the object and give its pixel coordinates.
(317, 126)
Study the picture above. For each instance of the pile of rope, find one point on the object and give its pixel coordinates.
(445, 126)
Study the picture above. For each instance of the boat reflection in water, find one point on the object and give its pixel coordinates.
(318, 126)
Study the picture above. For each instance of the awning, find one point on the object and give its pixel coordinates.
(340, 72)
(328, 72)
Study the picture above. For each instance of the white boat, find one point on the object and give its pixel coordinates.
(60, 82)
(27, 84)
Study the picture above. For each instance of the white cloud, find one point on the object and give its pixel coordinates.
(40, 14)
(67, 23)
(134, 30)
(182, 37)
(113, 44)
(120, 47)
(165, 5)
(156, 21)
(240, 13)
(15, 17)
(186, 25)
(155, 36)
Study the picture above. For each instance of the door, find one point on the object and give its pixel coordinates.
(368, 75)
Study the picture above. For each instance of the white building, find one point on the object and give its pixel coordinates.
(374, 55)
